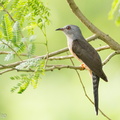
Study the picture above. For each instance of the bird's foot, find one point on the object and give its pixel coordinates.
(82, 66)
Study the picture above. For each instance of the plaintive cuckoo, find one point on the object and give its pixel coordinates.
(84, 52)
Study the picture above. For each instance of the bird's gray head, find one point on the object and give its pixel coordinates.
(71, 31)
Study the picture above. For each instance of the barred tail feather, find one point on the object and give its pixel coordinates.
(95, 91)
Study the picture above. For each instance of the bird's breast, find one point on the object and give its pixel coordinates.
(70, 45)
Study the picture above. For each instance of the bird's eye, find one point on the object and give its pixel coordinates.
(68, 27)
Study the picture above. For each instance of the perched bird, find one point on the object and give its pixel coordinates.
(84, 52)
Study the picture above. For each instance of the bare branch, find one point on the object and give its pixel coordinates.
(52, 67)
(71, 56)
(61, 57)
(50, 57)
(103, 48)
(110, 56)
(7, 70)
(48, 68)
(11, 65)
(7, 52)
(106, 38)
(4, 52)
(91, 38)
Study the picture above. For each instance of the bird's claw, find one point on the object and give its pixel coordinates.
(82, 66)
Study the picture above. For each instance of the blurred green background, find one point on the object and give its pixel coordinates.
(59, 95)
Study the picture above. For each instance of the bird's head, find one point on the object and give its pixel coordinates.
(71, 31)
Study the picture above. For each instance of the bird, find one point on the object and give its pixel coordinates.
(83, 51)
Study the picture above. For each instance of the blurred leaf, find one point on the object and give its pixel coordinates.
(32, 38)
(118, 19)
(1, 34)
(31, 49)
(28, 64)
(115, 10)
(18, 21)
(23, 86)
(7, 27)
(26, 79)
(9, 56)
(16, 33)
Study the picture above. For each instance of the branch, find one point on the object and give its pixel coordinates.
(91, 38)
(110, 56)
(10, 65)
(61, 57)
(48, 68)
(45, 56)
(106, 38)
(103, 48)
(7, 52)
(38, 57)
(5, 71)
(71, 56)
(52, 67)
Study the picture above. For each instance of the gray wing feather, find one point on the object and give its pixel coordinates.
(84, 51)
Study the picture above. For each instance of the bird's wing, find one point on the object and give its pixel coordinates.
(84, 51)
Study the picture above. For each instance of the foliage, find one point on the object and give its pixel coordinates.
(18, 21)
(26, 79)
(115, 11)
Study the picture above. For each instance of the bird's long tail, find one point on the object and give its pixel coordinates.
(95, 91)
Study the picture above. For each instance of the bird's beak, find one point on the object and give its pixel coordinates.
(61, 29)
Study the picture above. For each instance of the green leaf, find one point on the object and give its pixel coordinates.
(115, 5)
(31, 49)
(9, 56)
(30, 63)
(1, 34)
(24, 81)
(7, 27)
(20, 48)
(34, 83)
(16, 33)
(20, 18)
(118, 20)
(23, 87)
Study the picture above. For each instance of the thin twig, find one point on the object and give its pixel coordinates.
(50, 57)
(48, 68)
(11, 65)
(7, 70)
(22, 54)
(103, 48)
(8, 13)
(56, 58)
(63, 66)
(61, 57)
(5, 10)
(110, 56)
(91, 38)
